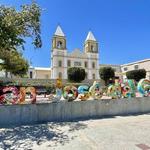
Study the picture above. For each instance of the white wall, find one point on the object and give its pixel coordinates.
(67, 111)
(144, 64)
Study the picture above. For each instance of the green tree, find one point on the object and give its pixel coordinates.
(76, 74)
(15, 63)
(106, 73)
(15, 26)
(137, 75)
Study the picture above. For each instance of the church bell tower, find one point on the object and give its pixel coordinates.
(90, 45)
(59, 39)
(58, 55)
(91, 50)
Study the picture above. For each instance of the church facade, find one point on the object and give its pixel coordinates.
(61, 59)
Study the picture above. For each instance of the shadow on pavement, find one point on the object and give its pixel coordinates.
(24, 137)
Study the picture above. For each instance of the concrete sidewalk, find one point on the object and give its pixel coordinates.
(118, 133)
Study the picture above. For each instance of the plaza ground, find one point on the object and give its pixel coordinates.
(116, 133)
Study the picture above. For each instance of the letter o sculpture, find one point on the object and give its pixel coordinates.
(143, 87)
(70, 93)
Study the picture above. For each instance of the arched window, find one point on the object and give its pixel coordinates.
(93, 76)
(59, 63)
(60, 75)
(85, 64)
(93, 65)
(59, 44)
(92, 48)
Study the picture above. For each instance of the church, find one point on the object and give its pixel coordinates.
(61, 59)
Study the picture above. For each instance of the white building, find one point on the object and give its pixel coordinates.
(61, 60)
(39, 73)
(143, 64)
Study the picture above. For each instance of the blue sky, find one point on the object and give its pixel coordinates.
(122, 28)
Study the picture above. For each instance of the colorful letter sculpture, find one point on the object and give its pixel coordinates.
(114, 91)
(59, 83)
(9, 95)
(14, 95)
(83, 92)
(58, 94)
(128, 90)
(23, 92)
(32, 92)
(96, 91)
(58, 90)
(70, 93)
(143, 87)
(22, 95)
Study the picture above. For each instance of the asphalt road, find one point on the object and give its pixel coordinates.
(118, 133)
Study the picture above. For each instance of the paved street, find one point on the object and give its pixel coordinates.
(118, 133)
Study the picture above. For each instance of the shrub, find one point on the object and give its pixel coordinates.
(106, 73)
(137, 75)
(76, 74)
